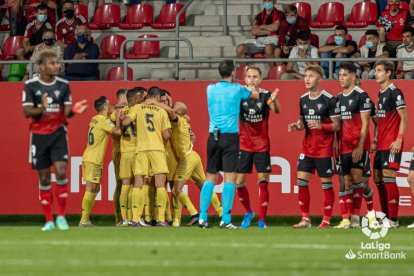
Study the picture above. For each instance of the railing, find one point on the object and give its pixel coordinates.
(225, 27)
(177, 45)
(177, 35)
(191, 59)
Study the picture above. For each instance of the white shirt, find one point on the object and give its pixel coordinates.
(403, 53)
(311, 52)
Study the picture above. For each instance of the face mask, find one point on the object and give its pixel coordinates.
(268, 6)
(369, 44)
(291, 20)
(42, 18)
(49, 41)
(82, 38)
(69, 13)
(394, 7)
(339, 40)
(303, 47)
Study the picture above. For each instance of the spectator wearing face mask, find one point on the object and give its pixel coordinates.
(83, 48)
(340, 48)
(372, 48)
(405, 69)
(65, 27)
(34, 33)
(30, 7)
(302, 49)
(288, 31)
(391, 24)
(265, 29)
(48, 44)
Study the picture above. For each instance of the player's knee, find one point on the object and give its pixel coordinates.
(44, 181)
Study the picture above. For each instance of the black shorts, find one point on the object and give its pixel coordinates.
(222, 154)
(261, 162)
(367, 169)
(345, 164)
(49, 148)
(385, 160)
(412, 163)
(324, 166)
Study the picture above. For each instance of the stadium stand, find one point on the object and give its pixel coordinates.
(117, 73)
(144, 49)
(106, 17)
(276, 72)
(329, 15)
(137, 17)
(362, 15)
(111, 46)
(304, 10)
(204, 29)
(10, 47)
(166, 18)
(81, 9)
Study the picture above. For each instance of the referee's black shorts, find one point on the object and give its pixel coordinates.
(222, 154)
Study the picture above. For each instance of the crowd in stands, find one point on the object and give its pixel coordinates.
(276, 34)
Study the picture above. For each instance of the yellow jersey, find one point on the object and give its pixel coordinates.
(150, 121)
(181, 137)
(99, 128)
(115, 138)
(128, 135)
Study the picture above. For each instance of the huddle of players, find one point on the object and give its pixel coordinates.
(152, 146)
(339, 126)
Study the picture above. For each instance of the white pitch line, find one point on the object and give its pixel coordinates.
(192, 244)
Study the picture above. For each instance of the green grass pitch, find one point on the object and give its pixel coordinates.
(277, 250)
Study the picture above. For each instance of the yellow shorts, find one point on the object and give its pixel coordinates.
(127, 166)
(149, 163)
(172, 165)
(190, 167)
(116, 158)
(91, 172)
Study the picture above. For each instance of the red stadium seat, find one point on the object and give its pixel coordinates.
(329, 15)
(81, 9)
(144, 49)
(106, 16)
(11, 45)
(362, 41)
(276, 72)
(166, 19)
(4, 27)
(111, 46)
(362, 15)
(304, 10)
(331, 38)
(241, 72)
(137, 17)
(314, 40)
(259, 55)
(117, 74)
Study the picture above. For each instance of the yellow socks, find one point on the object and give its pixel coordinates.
(137, 204)
(161, 203)
(184, 199)
(123, 200)
(216, 204)
(117, 207)
(168, 215)
(146, 200)
(129, 205)
(87, 204)
(177, 207)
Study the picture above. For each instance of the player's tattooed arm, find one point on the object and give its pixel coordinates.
(299, 125)
(30, 111)
(395, 146)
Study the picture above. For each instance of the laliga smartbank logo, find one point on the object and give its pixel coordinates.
(375, 228)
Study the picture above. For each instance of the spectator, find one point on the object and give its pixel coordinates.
(391, 24)
(65, 27)
(34, 33)
(83, 48)
(340, 48)
(31, 6)
(13, 9)
(405, 69)
(288, 31)
(48, 44)
(372, 48)
(303, 49)
(265, 28)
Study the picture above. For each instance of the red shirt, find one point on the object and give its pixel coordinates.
(262, 18)
(389, 101)
(393, 25)
(254, 127)
(31, 10)
(351, 106)
(318, 143)
(290, 32)
(66, 31)
(58, 96)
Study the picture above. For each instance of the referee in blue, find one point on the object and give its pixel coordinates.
(223, 99)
